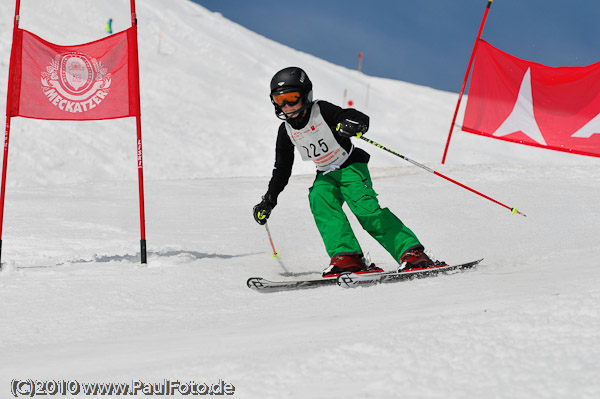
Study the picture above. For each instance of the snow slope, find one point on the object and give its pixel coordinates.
(75, 305)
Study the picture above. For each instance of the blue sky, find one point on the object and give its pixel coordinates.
(426, 42)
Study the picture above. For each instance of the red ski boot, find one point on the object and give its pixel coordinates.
(349, 263)
(416, 259)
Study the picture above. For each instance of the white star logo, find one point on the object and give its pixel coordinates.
(522, 117)
(589, 129)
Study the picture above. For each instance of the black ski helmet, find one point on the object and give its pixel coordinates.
(291, 78)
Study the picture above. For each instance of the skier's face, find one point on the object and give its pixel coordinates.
(292, 110)
(289, 100)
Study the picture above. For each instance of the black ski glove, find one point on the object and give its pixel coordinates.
(349, 128)
(262, 211)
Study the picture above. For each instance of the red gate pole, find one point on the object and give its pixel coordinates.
(464, 84)
(139, 135)
(8, 116)
(2, 194)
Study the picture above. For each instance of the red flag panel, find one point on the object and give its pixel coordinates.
(511, 99)
(90, 81)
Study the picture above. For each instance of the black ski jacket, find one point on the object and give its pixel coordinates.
(284, 148)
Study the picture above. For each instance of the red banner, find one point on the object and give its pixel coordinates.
(528, 103)
(90, 81)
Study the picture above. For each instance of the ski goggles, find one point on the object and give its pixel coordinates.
(289, 98)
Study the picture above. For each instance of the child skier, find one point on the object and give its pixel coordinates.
(321, 132)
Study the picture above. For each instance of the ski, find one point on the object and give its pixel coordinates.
(262, 285)
(349, 280)
(352, 280)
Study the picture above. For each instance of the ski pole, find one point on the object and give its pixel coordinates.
(275, 254)
(513, 210)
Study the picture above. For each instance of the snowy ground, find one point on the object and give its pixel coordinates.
(525, 324)
(75, 304)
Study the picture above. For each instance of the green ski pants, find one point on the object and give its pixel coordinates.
(353, 185)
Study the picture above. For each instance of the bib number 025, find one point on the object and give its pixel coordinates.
(312, 152)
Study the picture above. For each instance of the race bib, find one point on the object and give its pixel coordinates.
(316, 142)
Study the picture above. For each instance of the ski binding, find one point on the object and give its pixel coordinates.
(352, 280)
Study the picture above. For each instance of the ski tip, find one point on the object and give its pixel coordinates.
(255, 282)
(469, 265)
